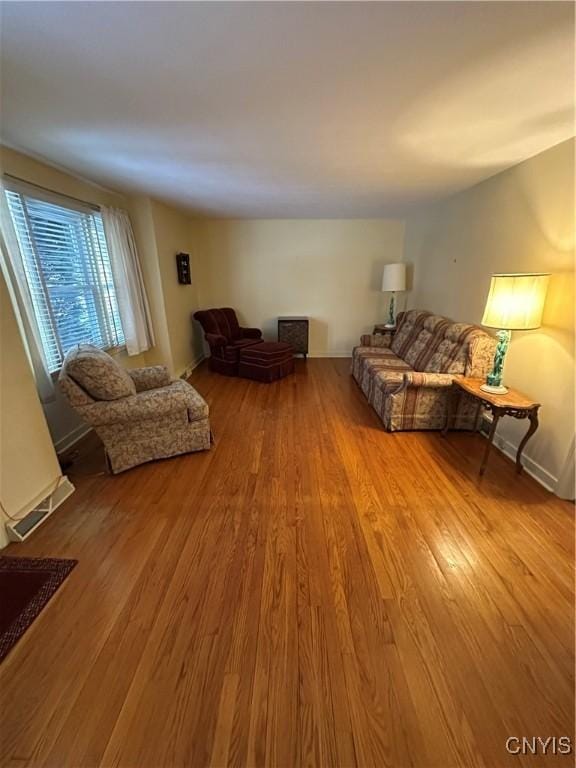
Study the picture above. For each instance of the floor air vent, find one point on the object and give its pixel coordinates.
(18, 530)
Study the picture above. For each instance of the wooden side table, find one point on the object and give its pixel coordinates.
(382, 329)
(513, 403)
(294, 331)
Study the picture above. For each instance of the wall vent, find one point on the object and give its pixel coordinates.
(18, 530)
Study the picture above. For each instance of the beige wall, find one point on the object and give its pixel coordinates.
(174, 234)
(161, 232)
(330, 270)
(29, 468)
(521, 220)
(140, 212)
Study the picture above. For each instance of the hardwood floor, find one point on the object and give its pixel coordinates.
(312, 591)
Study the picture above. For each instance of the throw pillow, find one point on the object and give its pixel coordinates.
(98, 373)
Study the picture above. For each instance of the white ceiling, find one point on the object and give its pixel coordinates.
(288, 109)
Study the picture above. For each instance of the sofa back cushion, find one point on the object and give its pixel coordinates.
(97, 373)
(435, 344)
(409, 326)
(458, 351)
(426, 342)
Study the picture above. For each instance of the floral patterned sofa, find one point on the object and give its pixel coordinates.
(407, 378)
(139, 414)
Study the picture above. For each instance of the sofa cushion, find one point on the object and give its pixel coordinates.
(267, 352)
(376, 364)
(409, 327)
(98, 373)
(426, 342)
(453, 354)
(373, 366)
(361, 356)
(232, 351)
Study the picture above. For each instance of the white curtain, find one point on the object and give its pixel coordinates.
(128, 281)
(13, 269)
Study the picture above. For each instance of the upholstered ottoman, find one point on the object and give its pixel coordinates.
(266, 361)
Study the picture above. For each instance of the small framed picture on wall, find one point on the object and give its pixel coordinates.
(183, 268)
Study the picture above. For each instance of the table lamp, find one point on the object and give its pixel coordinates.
(393, 279)
(515, 303)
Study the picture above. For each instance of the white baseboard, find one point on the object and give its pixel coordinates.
(532, 467)
(189, 368)
(331, 353)
(66, 442)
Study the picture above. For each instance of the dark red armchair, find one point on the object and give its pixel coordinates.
(225, 338)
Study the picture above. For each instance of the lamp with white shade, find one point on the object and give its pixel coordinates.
(515, 303)
(393, 280)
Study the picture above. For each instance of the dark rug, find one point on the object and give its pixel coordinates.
(26, 585)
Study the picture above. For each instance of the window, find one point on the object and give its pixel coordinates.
(67, 268)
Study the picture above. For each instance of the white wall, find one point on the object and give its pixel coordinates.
(521, 220)
(328, 269)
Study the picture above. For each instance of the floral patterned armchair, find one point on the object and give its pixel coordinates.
(140, 414)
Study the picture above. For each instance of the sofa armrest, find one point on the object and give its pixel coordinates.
(216, 340)
(152, 404)
(150, 377)
(424, 379)
(251, 333)
(376, 340)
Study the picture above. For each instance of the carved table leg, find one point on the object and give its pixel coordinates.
(496, 413)
(533, 416)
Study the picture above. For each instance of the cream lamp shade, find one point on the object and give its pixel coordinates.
(516, 301)
(394, 277)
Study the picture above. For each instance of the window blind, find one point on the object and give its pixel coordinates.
(68, 272)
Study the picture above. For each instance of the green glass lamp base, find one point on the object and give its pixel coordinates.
(391, 322)
(494, 379)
